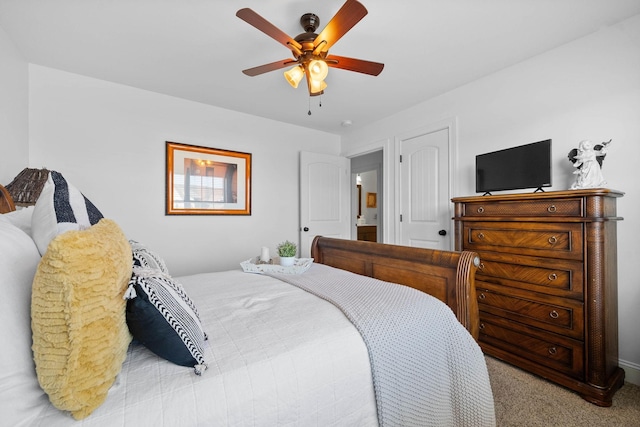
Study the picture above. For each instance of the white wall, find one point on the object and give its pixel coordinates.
(587, 89)
(14, 125)
(109, 141)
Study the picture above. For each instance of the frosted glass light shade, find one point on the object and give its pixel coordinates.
(318, 86)
(318, 70)
(294, 75)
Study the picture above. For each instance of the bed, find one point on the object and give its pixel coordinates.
(281, 349)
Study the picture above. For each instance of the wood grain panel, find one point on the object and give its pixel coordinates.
(447, 275)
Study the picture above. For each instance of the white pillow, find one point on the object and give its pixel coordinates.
(19, 388)
(61, 207)
(21, 218)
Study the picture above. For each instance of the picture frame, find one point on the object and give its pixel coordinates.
(207, 181)
(372, 200)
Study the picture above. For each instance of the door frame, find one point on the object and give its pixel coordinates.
(370, 167)
(388, 171)
(391, 172)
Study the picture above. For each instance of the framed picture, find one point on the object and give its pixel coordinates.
(207, 181)
(372, 200)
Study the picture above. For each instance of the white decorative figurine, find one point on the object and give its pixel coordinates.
(587, 159)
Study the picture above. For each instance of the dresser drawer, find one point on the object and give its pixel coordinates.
(559, 315)
(563, 278)
(552, 240)
(547, 349)
(537, 208)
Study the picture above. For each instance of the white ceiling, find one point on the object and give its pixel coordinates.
(196, 49)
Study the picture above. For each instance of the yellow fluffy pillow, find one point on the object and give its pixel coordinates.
(80, 335)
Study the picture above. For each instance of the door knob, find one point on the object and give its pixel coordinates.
(305, 229)
(442, 232)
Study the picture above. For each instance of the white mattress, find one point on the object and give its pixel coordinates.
(277, 355)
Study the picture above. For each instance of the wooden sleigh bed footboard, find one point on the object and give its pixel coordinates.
(448, 276)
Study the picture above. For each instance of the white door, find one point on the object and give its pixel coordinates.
(424, 190)
(324, 198)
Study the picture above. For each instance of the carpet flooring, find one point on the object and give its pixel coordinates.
(522, 399)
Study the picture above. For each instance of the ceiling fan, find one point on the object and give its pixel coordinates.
(311, 57)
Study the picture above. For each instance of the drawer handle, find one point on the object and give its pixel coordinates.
(481, 296)
(553, 350)
(552, 209)
(554, 314)
(481, 326)
(553, 276)
(480, 209)
(481, 236)
(553, 240)
(481, 266)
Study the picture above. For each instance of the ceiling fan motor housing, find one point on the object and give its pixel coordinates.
(310, 22)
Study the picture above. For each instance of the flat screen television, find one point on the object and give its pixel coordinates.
(522, 167)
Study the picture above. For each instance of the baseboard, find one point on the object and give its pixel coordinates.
(631, 372)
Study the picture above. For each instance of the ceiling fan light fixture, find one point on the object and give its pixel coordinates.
(294, 75)
(318, 69)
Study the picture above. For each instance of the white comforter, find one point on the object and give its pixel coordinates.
(277, 355)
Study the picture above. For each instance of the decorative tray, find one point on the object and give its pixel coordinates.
(254, 265)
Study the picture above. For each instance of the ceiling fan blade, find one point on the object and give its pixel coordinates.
(352, 64)
(252, 18)
(261, 69)
(349, 15)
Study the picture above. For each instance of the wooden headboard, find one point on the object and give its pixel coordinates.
(447, 275)
(6, 202)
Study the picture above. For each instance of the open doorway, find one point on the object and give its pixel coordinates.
(367, 197)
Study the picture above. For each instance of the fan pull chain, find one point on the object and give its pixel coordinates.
(319, 104)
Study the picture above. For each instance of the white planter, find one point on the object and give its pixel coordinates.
(287, 261)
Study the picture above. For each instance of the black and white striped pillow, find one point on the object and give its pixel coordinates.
(162, 317)
(146, 258)
(61, 207)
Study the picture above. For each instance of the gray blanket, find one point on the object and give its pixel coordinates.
(427, 370)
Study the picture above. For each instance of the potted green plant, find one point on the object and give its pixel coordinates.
(287, 252)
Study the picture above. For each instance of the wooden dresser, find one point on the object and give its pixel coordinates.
(547, 284)
(368, 233)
